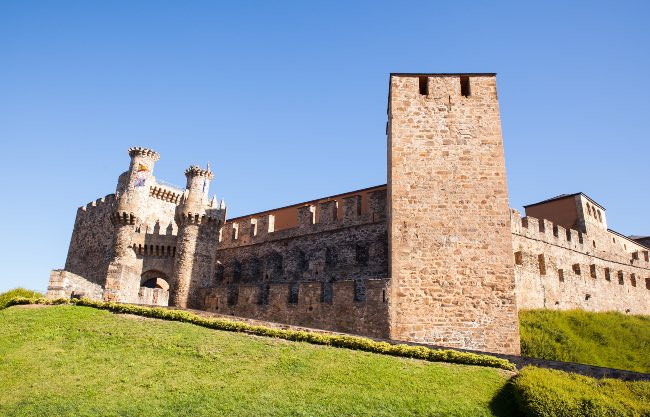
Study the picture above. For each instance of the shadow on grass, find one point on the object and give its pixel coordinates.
(504, 404)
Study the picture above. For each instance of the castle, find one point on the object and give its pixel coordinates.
(435, 255)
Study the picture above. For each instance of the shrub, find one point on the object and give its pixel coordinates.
(5, 297)
(549, 393)
(343, 341)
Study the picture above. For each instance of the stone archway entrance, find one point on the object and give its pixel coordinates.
(154, 288)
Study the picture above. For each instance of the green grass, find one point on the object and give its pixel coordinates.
(73, 360)
(549, 393)
(612, 340)
(5, 297)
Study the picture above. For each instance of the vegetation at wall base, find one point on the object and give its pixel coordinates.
(342, 341)
(550, 393)
(612, 340)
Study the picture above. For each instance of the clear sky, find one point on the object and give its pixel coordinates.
(287, 101)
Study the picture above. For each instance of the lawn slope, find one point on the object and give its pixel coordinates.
(612, 340)
(72, 360)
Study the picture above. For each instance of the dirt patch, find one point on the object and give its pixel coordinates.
(32, 306)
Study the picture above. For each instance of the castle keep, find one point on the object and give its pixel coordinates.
(435, 255)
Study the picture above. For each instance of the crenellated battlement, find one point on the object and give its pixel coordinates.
(324, 216)
(203, 219)
(195, 171)
(140, 151)
(598, 246)
(101, 203)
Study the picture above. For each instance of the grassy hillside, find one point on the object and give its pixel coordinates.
(68, 360)
(606, 339)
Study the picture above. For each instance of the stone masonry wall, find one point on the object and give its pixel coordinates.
(65, 284)
(452, 279)
(341, 308)
(560, 268)
(91, 245)
(329, 273)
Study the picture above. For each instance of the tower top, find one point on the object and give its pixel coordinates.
(138, 150)
(195, 171)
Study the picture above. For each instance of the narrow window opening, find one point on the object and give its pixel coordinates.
(465, 89)
(647, 283)
(219, 272)
(542, 264)
(362, 254)
(326, 292)
(560, 275)
(576, 269)
(293, 293)
(423, 81)
(519, 258)
(383, 292)
(607, 275)
(592, 270)
(264, 294)
(359, 291)
(233, 295)
(621, 279)
(633, 280)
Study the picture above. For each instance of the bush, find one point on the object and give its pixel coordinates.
(549, 393)
(344, 341)
(613, 340)
(5, 297)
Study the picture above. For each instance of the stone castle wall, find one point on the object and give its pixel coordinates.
(329, 271)
(560, 268)
(91, 245)
(358, 306)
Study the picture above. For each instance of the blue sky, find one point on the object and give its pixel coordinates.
(287, 100)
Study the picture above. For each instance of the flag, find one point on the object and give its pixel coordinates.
(142, 168)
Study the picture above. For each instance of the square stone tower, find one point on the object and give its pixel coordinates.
(451, 262)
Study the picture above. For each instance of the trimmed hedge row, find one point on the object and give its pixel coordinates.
(550, 393)
(342, 341)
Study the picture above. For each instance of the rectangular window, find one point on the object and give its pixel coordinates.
(465, 88)
(633, 280)
(560, 275)
(621, 278)
(519, 258)
(423, 81)
(293, 293)
(592, 270)
(607, 275)
(542, 264)
(576, 269)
